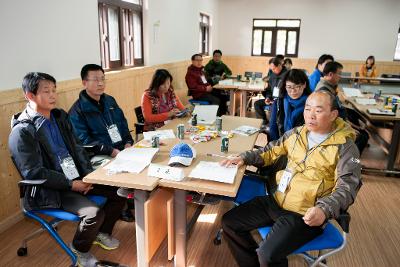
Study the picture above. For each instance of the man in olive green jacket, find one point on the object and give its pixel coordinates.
(321, 178)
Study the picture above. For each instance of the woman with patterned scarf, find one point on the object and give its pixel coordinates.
(159, 102)
(287, 110)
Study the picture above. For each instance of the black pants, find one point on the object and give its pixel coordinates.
(259, 106)
(93, 218)
(288, 233)
(216, 98)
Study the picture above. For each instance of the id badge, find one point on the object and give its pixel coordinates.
(114, 134)
(275, 92)
(69, 169)
(285, 180)
(203, 79)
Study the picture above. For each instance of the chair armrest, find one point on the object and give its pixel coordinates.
(31, 182)
(344, 221)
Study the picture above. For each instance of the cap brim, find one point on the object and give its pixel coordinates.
(182, 160)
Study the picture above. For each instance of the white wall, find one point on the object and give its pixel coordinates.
(177, 36)
(59, 37)
(346, 29)
(53, 36)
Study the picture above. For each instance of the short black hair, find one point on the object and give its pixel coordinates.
(31, 81)
(159, 78)
(276, 61)
(287, 60)
(89, 67)
(297, 77)
(280, 57)
(324, 58)
(196, 55)
(332, 66)
(217, 51)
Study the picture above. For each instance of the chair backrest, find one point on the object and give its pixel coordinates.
(258, 75)
(139, 114)
(345, 74)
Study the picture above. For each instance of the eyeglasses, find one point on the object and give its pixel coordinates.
(103, 80)
(294, 87)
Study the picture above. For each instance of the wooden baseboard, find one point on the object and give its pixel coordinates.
(10, 221)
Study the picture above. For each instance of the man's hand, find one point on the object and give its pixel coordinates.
(236, 160)
(81, 187)
(128, 145)
(209, 88)
(314, 216)
(268, 101)
(114, 153)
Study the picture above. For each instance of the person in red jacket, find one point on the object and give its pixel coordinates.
(159, 102)
(200, 89)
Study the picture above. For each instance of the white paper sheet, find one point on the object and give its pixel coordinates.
(352, 92)
(132, 160)
(166, 172)
(208, 170)
(245, 130)
(366, 101)
(226, 82)
(162, 134)
(206, 114)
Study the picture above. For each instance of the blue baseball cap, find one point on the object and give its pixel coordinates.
(181, 153)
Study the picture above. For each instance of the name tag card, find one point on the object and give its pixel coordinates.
(275, 92)
(166, 172)
(69, 169)
(114, 134)
(203, 79)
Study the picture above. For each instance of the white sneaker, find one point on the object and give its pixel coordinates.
(106, 241)
(84, 259)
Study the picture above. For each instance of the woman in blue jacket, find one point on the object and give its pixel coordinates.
(287, 110)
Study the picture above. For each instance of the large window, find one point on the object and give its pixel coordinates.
(204, 34)
(276, 36)
(121, 33)
(397, 52)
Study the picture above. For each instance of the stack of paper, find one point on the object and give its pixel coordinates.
(226, 82)
(208, 170)
(352, 92)
(380, 111)
(132, 160)
(366, 101)
(245, 130)
(162, 134)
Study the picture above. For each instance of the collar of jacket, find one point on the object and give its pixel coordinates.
(341, 132)
(31, 116)
(194, 68)
(88, 106)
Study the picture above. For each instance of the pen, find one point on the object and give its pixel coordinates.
(216, 155)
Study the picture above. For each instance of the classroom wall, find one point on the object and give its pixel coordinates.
(350, 30)
(59, 37)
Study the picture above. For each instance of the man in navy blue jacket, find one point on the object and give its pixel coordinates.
(98, 121)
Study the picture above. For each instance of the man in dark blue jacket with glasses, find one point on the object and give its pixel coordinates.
(98, 121)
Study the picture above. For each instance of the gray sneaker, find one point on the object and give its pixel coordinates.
(106, 241)
(84, 259)
(125, 192)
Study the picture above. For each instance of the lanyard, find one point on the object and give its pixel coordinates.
(312, 149)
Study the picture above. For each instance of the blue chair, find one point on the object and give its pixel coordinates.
(58, 215)
(194, 102)
(331, 239)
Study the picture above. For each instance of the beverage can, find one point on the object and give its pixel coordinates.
(180, 129)
(155, 141)
(225, 144)
(394, 107)
(385, 100)
(218, 124)
(194, 120)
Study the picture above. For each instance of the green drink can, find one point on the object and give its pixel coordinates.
(385, 100)
(224, 144)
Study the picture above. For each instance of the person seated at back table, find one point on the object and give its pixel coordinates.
(368, 69)
(287, 62)
(277, 71)
(330, 81)
(321, 179)
(44, 147)
(200, 89)
(287, 109)
(159, 102)
(98, 121)
(319, 68)
(215, 69)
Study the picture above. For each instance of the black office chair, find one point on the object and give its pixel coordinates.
(139, 125)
